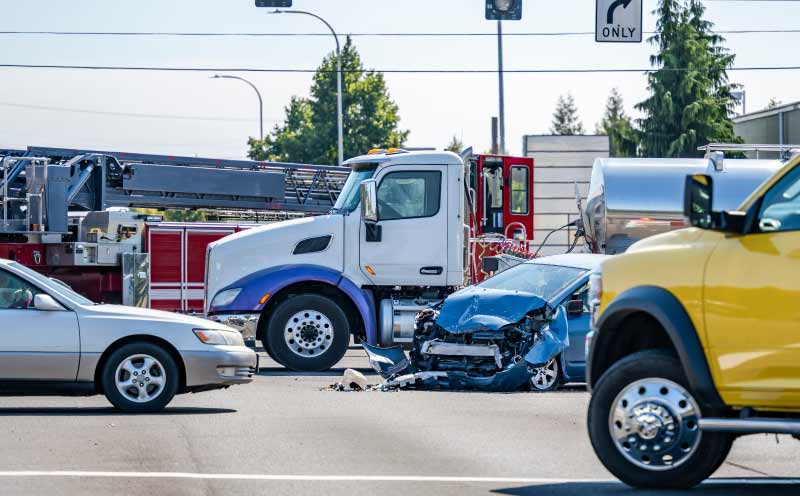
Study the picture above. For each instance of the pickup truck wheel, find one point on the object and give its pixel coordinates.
(643, 425)
(140, 378)
(308, 333)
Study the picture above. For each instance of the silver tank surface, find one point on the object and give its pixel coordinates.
(633, 198)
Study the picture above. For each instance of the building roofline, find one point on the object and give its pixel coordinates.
(766, 112)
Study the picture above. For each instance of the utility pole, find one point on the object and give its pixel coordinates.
(502, 113)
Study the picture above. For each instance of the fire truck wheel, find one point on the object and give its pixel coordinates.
(308, 333)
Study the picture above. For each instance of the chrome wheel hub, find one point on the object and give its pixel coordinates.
(654, 424)
(308, 333)
(545, 377)
(140, 378)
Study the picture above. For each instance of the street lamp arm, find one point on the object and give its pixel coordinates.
(258, 94)
(318, 17)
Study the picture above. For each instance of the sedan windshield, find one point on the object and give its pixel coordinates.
(45, 283)
(544, 281)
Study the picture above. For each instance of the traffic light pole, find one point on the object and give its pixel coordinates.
(502, 150)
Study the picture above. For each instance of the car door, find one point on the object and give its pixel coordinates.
(579, 323)
(752, 303)
(35, 345)
(411, 248)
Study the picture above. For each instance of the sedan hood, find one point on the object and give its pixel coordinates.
(146, 314)
(476, 308)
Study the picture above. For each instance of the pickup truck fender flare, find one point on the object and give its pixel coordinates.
(665, 308)
(274, 279)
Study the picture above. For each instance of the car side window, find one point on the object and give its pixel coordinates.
(780, 210)
(409, 195)
(15, 292)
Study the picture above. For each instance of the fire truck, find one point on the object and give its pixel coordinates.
(75, 215)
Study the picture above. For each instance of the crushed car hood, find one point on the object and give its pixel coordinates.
(476, 308)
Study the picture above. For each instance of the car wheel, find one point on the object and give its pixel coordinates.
(140, 378)
(547, 377)
(643, 424)
(308, 333)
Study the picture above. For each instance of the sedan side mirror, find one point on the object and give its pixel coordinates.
(575, 307)
(369, 201)
(46, 303)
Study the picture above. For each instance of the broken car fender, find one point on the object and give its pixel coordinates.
(552, 340)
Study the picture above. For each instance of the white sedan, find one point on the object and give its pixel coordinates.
(54, 341)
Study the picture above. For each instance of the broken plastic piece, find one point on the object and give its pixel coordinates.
(355, 380)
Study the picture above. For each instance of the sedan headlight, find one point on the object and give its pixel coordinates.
(226, 297)
(219, 337)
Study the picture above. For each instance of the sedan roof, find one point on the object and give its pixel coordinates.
(587, 261)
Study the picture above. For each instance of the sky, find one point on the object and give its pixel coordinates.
(188, 113)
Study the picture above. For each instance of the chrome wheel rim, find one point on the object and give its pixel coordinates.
(545, 377)
(308, 333)
(140, 378)
(654, 424)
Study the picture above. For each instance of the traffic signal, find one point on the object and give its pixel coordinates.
(503, 10)
(279, 4)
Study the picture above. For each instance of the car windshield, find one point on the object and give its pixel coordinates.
(60, 288)
(544, 281)
(351, 192)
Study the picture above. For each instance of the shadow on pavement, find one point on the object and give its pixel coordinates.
(337, 372)
(95, 411)
(717, 487)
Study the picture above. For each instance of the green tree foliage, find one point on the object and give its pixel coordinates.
(690, 95)
(773, 103)
(455, 145)
(309, 132)
(618, 127)
(565, 118)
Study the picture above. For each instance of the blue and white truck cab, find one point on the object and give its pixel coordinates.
(395, 242)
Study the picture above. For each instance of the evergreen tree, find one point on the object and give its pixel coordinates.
(455, 145)
(309, 132)
(690, 102)
(618, 127)
(565, 117)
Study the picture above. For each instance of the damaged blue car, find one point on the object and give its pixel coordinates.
(523, 327)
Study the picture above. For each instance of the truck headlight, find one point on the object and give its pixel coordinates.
(595, 292)
(224, 298)
(219, 337)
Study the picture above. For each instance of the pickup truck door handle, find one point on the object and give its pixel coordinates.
(431, 271)
(769, 225)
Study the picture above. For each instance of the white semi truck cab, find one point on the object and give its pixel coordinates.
(393, 244)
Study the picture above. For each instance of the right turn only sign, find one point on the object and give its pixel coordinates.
(618, 21)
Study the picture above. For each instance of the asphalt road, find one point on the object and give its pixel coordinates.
(283, 434)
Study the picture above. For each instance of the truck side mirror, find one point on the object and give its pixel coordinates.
(697, 207)
(369, 201)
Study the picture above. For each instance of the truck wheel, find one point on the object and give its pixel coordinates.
(643, 424)
(140, 378)
(308, 333)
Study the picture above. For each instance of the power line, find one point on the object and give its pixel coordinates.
(369, 34)
(131, 114)
(385, 71)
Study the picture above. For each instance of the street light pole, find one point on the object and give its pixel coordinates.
(339, 119)
(502, 114)
(260, 101)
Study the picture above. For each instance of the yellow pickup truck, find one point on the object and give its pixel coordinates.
(696, 337)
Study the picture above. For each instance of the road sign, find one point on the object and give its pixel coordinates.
(503, 10)
(283, 4)
(618, 21)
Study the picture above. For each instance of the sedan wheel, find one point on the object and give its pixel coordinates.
(547, 377)
(140, 378)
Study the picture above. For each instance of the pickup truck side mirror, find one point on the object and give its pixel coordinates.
(369, 201)
(698, 207)
(46, 303)
(575, 307)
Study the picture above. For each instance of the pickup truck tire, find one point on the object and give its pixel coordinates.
(308, 333)
(643, 424)
(140, 378)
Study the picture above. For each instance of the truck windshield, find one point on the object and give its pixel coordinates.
(351, 192)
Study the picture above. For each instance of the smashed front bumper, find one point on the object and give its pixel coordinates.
(245, 323)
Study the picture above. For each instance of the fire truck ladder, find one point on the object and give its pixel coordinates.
(100, 179)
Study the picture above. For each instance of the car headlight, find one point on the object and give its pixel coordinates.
(226, 297)
(219, 337)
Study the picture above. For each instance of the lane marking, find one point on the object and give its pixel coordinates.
(360, 478)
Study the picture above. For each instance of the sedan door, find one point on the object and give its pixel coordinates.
(35, 345)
